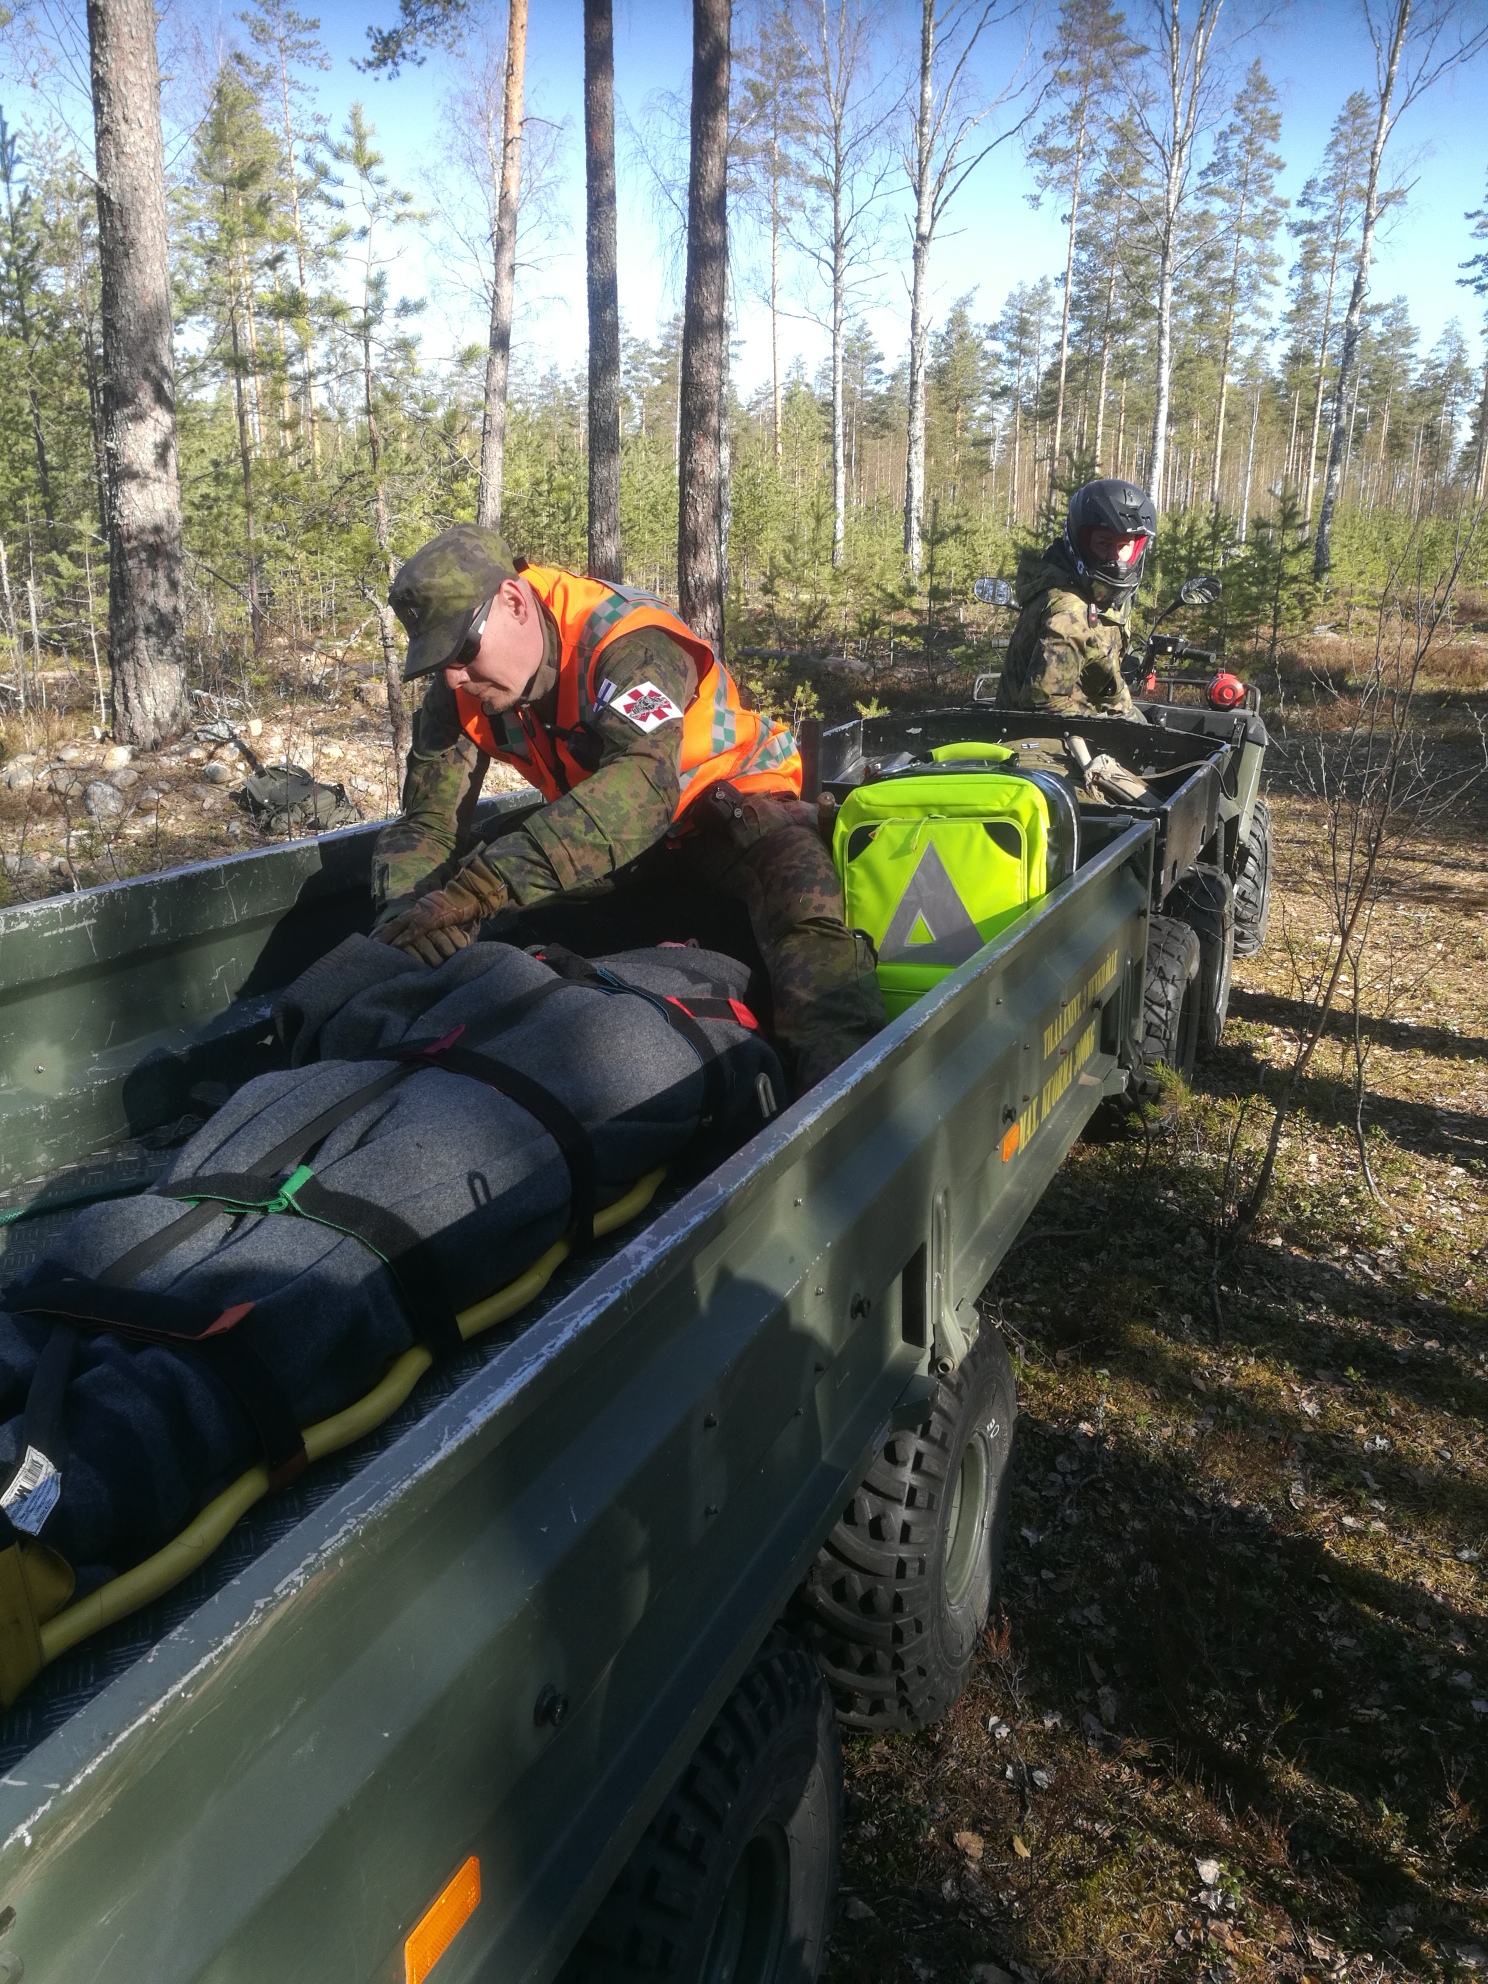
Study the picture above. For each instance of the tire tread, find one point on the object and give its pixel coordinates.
(865, 1606)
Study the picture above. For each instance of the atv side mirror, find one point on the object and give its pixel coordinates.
(993, 592)
(1201, 590)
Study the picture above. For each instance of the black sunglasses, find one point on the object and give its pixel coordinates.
(469, 647)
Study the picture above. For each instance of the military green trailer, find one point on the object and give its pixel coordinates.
(538, 1679)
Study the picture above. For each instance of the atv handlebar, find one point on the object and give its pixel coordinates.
(1174, 649)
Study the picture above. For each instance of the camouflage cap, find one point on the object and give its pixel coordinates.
(442, 587)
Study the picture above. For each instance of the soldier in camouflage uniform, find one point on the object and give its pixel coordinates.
(648, 784)
(1067, 649)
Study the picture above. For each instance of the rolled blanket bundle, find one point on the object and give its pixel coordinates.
(434, 1133)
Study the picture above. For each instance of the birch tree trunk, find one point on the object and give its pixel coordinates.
(503, 273)
(919, 328)
(1322, 554)
(1290, 473)
(1064, 315)
(1317, 404)
(245, 459)
(146, 659)
(1255, 415)
(604, 295)
(1012, 511)
(705, 331)
(1185, 78)
(1105, 364)
(1157, 459)
(1231, 304)
(839, 331)
(775, 288)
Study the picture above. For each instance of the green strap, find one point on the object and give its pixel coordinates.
(281, 1201)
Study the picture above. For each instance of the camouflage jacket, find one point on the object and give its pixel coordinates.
(625, 807)
(1065, 653)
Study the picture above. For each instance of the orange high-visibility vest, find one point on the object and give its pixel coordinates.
(720, 738)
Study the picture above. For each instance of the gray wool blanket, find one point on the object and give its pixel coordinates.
(150, 1433)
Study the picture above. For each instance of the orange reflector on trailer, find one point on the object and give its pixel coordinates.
(1011, 1141)
(442, 1922)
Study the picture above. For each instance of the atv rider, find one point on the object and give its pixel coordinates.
(1066, 651)
(654, 771)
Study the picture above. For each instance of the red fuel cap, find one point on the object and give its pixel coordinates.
(1226, 691)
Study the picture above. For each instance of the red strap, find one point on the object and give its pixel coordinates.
(717, 1009)
(228, 1319)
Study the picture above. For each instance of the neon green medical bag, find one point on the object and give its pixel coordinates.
(936, 859)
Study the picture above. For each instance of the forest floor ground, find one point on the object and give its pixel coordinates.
(77, 810)
(1230, 1720)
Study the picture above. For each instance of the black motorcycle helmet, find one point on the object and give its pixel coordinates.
(1124, 511)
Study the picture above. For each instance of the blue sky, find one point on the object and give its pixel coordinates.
(1315, 52)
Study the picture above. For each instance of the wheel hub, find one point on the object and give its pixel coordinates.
(749, 1935)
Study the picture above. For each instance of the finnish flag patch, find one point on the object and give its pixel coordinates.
(647, 707)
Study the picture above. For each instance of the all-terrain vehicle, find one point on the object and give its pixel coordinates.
(1192, 767)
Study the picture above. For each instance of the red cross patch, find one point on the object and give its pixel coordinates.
(647, 707)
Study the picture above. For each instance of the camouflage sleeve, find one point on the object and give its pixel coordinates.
(1101, 679)
(418, 851)
(627, 805)
(1076, 664)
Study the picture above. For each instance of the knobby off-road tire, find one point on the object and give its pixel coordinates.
(1206, 903)
(899, 1592)
(1170, 1005)
(1253, 885)
(736, 1877)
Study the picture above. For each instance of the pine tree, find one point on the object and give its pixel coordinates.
(1416, 43)
(1329, 211)
(1114, 274)
(233, 222)
(1091, 47)
(289, 45)
(605, 559)
(375, 208)
(700, 473)
(139, 388)
(1240, 184)
(768, 131)
(1019, 339)
(1476, 279)
(19, 265)
(959, 383)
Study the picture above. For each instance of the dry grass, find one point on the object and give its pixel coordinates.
(1242, 1616)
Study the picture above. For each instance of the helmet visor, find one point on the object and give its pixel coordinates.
(1112, 552)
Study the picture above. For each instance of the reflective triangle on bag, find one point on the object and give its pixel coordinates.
(931, 924)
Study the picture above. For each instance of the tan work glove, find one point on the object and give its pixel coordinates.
(446, 920)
